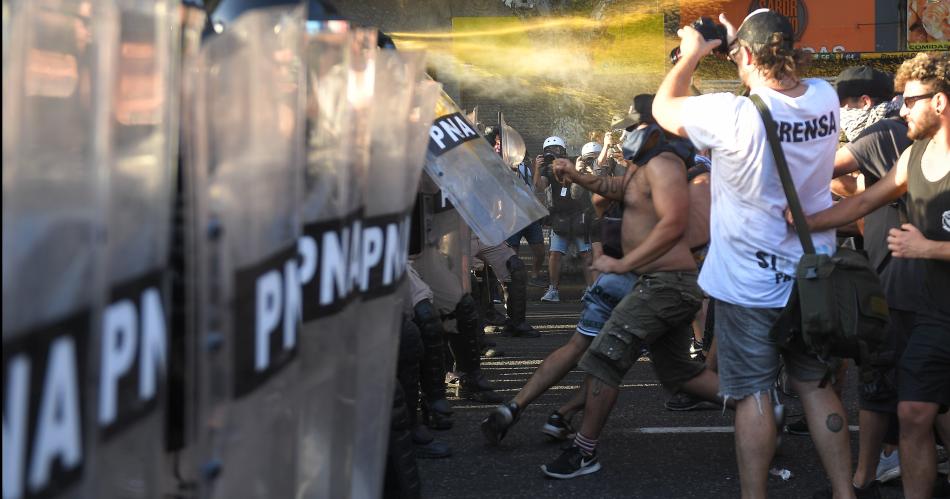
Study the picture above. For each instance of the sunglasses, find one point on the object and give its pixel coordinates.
(734, 48)
(910, 101)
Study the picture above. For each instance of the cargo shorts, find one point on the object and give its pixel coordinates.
(658, 312)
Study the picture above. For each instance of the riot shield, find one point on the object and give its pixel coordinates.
(133, 354)
(512, 145)
(383, 262)
(361, 76)
(333, 184)
(420, 118)
(474, 178)
(446, 249)
(249, 159)
(57, 79)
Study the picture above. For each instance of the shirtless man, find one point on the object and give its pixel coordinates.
(661, 307)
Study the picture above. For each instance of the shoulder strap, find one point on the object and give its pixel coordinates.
(801, 225)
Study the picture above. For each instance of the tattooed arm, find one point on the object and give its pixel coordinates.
(608, 187)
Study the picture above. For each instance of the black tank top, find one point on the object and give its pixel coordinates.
(928, 209)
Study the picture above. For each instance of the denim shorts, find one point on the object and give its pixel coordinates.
(749, 357)
(560, 244)
(532, 233)
(658, 312)
(600, 300)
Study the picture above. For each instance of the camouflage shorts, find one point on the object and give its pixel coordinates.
(659, 312)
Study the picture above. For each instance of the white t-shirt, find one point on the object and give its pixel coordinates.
(753, 251)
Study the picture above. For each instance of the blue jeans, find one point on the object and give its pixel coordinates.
(749, 357)
(600, 300)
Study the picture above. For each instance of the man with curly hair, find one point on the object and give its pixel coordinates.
(923, 173)
(753, 253)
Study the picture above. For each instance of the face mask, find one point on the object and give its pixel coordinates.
(634, 143)
(635, 146)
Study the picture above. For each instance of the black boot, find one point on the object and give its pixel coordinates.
(427, 447)
(436, 411)
(474, 386)
(465, 348)
(481, 291)
(402, 476)
(407, 367)
(516, 301)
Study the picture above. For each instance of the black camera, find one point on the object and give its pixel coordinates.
(546, 162)
(710, 31)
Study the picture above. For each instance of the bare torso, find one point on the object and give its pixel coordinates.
(639, 218)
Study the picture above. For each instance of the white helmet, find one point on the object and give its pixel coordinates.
(554, 141)
(591, 148)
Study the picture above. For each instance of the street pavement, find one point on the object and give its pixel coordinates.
(645, 450)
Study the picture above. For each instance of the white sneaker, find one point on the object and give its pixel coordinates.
(552, 295)
(889, 467)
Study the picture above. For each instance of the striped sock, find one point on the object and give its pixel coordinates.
(585, 444)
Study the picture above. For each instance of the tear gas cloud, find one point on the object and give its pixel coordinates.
(588, 63)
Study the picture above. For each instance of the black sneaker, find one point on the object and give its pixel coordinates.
(573, 462)
(683, 401)
(557, 427)
(499, 420)
(797, 427)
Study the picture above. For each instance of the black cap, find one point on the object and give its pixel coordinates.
(864, 80)
(642, 112)
(758, 27)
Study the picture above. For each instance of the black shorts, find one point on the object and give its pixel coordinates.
(923, 374)
(880, 394)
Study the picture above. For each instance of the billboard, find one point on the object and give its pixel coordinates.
(840, 26)
(928, 24)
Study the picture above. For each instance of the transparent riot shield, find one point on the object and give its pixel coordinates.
(333, 183)
(56, 87)
(474, 178)
(384, 242)
(446, 249)
(361, 77)
(512, 144)
(249, 158)
(132, 356)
